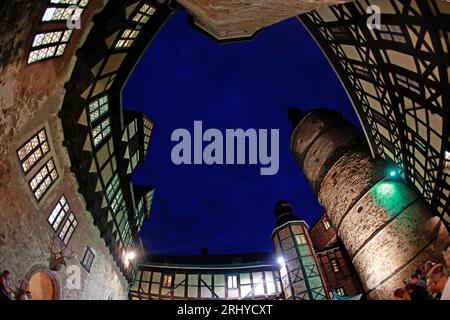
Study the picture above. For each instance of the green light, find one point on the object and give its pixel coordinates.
(393, 173)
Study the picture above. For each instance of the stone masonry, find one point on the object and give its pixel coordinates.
(30, 98)
(385, 227)
(228, 19)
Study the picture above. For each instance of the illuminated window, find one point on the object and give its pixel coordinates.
(48, 45)
(148, 128)
(144, 14)
(340, 291)
(33, 150)
(127, 38)
(392, 33)
(408, 83)
(232, 282)
(61, 210)
(326, 223)
(88, 259)
(335, 265)
(67, 230)
(44, 179)
(112, 187)
(447, 162)
(63, 10)
(167, 281)
(101, 131)
(301, 239)
(117, 201)
(98, 107)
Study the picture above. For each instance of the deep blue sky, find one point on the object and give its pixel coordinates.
(184, 76)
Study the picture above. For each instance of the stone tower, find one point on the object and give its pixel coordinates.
(385, 227)
(300, 274)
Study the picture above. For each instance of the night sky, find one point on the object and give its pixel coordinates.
(184, 76)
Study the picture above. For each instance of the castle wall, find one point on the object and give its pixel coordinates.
(30, 98)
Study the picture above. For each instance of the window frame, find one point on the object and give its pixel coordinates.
(62, 210)
(335, 265)
(234, 284)
(167, 281)
(56, 45)
(65, 7)
(102, 126)
(38, 147)
(90, 256)
(72, 224)
(42, 181)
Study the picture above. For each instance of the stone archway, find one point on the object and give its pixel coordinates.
(42, 284)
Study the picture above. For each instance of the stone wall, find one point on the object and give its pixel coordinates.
(30, 98)
(385, 227)
(228, 19)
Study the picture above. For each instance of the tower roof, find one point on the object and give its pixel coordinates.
(284, 213)
(295, 115)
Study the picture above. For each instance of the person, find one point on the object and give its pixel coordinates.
(421, 275)
(416, 280)
(416, 292)
(438, 282)
(446, 254)
(401, 294)
(5, 283)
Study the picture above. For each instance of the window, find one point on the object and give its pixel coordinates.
(341, 33)
(447, 162)
(340, 291)
(392, 33)
(88, 259)
(112, 187)
(149, 199)
(63, 10)
(117, 201)
(44, 179)
(408, 83)
(127, 38)
(101, 131)
(33, 150)
(98, 107)
(335, 265)
(49, 44)
(362, 71)
(67, 230)
(232, 282)
(326, 223)
(167, 281)
(301, 239)
(58, 214)
(144, 14)
(148, 128)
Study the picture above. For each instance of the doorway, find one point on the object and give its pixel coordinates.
(42, 284)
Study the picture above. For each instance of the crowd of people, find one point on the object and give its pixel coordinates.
(7, 293)
(431, 284)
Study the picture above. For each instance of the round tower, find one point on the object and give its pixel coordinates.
(299, 269)
(385, 227)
